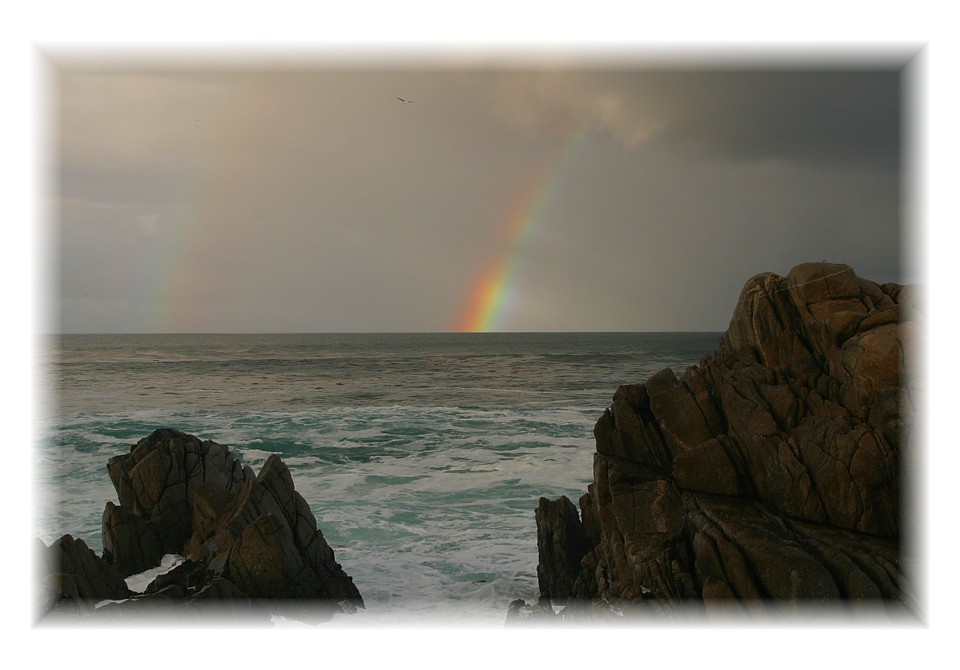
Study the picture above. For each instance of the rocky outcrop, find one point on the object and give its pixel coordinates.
(250, 541)
(561, 544)
(769, 475)
(156, 485)
(74, 578)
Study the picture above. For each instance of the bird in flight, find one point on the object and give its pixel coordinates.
(405, 102)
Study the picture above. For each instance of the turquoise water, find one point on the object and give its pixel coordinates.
(421, 455)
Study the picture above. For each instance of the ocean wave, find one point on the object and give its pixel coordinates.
(422, 456)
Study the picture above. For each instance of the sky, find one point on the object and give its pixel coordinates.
(531, 195)
(704, 279)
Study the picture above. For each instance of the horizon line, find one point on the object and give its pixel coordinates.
(380, 332)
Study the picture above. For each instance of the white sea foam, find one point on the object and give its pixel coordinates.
(423, 465)
(139, 582)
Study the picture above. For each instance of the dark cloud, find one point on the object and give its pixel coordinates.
(831, 116)
(311, 199)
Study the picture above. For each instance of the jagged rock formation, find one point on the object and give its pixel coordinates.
(74, 577)
(768, 475)
(250, 540)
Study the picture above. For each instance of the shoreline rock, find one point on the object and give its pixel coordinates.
(251, 543)
(767, 478)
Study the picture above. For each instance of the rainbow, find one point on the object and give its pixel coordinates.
(175, 278)
(495, 291)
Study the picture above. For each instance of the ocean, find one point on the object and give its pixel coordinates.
(422, 456)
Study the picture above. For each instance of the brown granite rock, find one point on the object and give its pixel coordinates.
(564, 542)
(251, 542)
(266, 541)
(74, 577)
(766, 476)
(155, 484)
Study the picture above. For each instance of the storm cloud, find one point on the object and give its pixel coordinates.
(310, 199)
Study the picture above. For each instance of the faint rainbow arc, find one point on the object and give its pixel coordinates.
(186, 252)
(493, 291)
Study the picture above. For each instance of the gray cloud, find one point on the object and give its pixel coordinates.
(828, 115)
(311, 199)
(820, 116)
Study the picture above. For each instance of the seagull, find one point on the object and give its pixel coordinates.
(405, 102)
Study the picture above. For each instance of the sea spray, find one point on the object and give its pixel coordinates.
(421, 456)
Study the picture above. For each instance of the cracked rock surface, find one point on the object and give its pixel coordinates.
(250, 542)
(770, 474)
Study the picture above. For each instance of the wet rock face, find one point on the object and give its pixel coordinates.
(156, 484)
(563, 544)
(248, 539)
(770, 471)
(74, 578)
